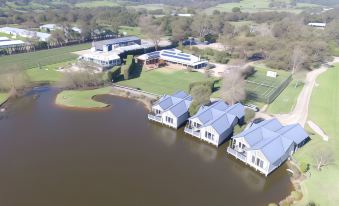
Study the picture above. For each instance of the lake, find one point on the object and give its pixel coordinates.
(53, 156)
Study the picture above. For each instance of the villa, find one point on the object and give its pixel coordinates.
(214, 124)
(171, 110)
(267, 145)
(173, 56)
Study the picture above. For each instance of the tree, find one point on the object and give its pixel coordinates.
(13, 79)
(323, 157)
(151, 29)
(236, 9)
(201, 96)
(233, 87)
(297, 59)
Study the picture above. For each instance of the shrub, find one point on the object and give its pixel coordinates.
(304, 167)
(209, 83)
(249, 114)
(194, 108)
(248, 71)
(222, 57)
(128, 67)
(113, 74)
(296, 195)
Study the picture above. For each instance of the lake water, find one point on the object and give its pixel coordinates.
(52, 156)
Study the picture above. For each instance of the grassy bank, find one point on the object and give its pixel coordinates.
(323, 187)
(81, 98)
(47, 73)
(3, 97)
(44, 57)
(286, 101)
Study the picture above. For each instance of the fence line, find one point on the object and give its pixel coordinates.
(136, 90)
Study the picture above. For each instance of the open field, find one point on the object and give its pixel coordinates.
(150, 6)
(81, 98)
(47, 73)
(163, 80)
(323, 187)
(286, 101)
(3, 97)
(257, 6)
(44, 57)
(92, 4)
(134, 31)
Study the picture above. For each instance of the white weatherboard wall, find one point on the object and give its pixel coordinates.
(170, 115)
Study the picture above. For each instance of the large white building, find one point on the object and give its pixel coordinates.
(173, 56)
(25, 33)
(8, 43)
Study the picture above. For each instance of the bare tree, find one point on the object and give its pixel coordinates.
(323, 157)
(233, 87)
(298, 57)
(151, 30)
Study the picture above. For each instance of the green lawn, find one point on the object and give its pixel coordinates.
(323, 187)
(150, 6)
(132, 31)
(44, 57)
(164, 80)
(3, 97)
(46, 73)
(257, 6)
(81, 98)
(286, 101)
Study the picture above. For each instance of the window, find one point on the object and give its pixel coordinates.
(253, 159)
(260, 163)
(209, 135)
(169, 120)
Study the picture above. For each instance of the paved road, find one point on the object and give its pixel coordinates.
(300, 111)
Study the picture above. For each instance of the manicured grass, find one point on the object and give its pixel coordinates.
(81, 98)
(323, 187)
(3, 97)
(163, 80)
(46, 73)
(257, 6)
(44, 57)
(286, 101)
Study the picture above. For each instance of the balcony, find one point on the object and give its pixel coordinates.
(154, 118)
(236, 154)
(192, 131)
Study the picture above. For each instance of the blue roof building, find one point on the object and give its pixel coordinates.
(171, 110)
(215, 123)
(268, 144)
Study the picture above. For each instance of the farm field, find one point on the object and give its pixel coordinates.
(257, 6)
(44, 57)
(132, 31)
(322, 187)
(163, 80)
(150, 6)
(81, 98)
(93, 4)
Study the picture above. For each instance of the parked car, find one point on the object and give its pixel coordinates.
(252, 107)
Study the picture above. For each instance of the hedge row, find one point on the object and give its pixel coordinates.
(128, 67)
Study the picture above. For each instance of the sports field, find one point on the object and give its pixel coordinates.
(263, 88)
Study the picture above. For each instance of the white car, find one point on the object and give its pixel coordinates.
(252, 107)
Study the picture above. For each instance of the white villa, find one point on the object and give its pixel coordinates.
(171, 110)
(104, 59)
(267, 145)
(215, 123)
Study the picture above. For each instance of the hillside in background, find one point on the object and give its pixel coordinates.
(321, 2)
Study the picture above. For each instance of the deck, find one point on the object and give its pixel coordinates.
(154, 118)
(192, 132)
(236, 154)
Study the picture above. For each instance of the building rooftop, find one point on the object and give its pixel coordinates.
(99, 44)
(178, 103)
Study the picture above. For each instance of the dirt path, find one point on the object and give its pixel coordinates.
(300, 111)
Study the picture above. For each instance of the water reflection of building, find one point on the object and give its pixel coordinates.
(166, 135)
(206, 152)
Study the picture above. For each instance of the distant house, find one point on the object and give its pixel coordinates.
(214, 124)
(52, 27)
(317, 25)
(267, 145)
(111, 44)
(173, 56)
(11, 44)
(25, 33)
(171, 110)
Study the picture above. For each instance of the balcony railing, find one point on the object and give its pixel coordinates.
(236, 154)
(192, 132)
(154, 118)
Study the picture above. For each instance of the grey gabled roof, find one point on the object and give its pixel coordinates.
(178, 103)
(219, 115)
(272, 138)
